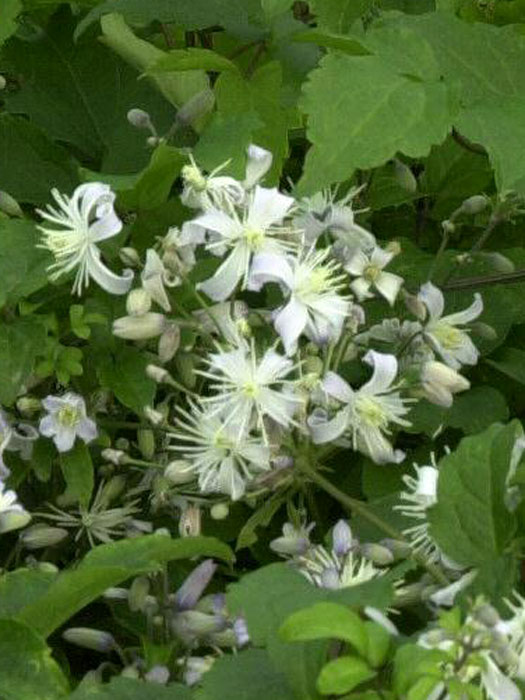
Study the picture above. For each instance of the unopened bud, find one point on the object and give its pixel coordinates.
(498, 262)
(138, 592)
(112, 489)
(179, 472)
(146, 442)
(27, 405)
(483, 330)
(194, 585)
(149, 325)
(13, 520)
(186, 369)
(196, 107)
(3, 82)
(475, 204)
(116, 457)
(47, 567)
(377, 553)
(393, 247)
(138, 302)
(158, 374)
(313, 364)
(115, 593)
(140, 119)
(158, 674)
(130, 257)
(190, 521)
(169, 343)
(193, 623)
(130, 672)
(219, 511)
(154, 416)
(9, 205)
(38, 536)
(196, 667)
(414, 305)
(97, 640)
(399, 549)
(447, 226)
(487, 615)
(404, 176)
(153, 141)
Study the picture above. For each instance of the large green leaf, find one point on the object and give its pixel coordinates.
(27, 671)
(22, 263)
(9, 11)
(77, 469)
(471, 522)
(80, 93)
(108, 565)
(20, 344)
(125, 374)
(130, 689)
(338, 15)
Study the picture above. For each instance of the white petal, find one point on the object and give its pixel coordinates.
(323, 430)
(268, 207)
(385, 371)
(377, 616)
(106, 227)
(64, 438)
(381, 257)
(229, 480)
(445, 596)
(433, 299)
(389, 285)
(357, 264)
(258, 163)
(227, 276)
(87, 430)
(337, 387)
(267, 267)
(361, 288)
(104, 277)
(290, 322)
(473, 311)
(496, 683)
(217, 221)
(272, 367)
(47, 426)
(152, 279)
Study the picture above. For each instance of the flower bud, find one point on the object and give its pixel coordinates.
(47, 567)
(414, 305)
(149, 325)
(112, 489)
(9, 205)
(448, 226)
(130, 257)
(190, 624)
(28, 405)
(158, 374)
(138, 302)
(153, 141)
(483, 330)
(116, 457)
(179, 472)
(3, 82)
(498, 262)
(115, 593)
(399, 549)
(313, 364)
(474, 204)
(196, 107)
(146, 442)
(487, 615)
(154, 416)
(190, 521)
(97, 640)
(293, 542)
(140, 119)
(138, 593)
(169, 343)
(341, 538)
(186, 369)
(196, 667)
(158, 674)
(13, 520)
(393, 247)
(240, 629)
(219, 511)
(377, 553)
(39, 536)
(194, 585)
(440, 382)
(130, 672)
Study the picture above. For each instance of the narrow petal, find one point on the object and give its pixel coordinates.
(473, 311)
(227, 276)
(106, 227)
(218, 221)
(361, 288)
(323, 430)
(267, 267)
(335, 386)
(433, 299)
(268, 207)
(388, 285)
(257, 165)
(385, 371)
(290, 322)
(357, 263)
(64, 438)
(230, 481)
(496, 683)
(104, 277)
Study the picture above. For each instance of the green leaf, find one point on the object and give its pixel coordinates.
(77, 469)
(130, 689)
(361, 112)
(470, 521)
(22, 263)
(20, 344)
(80, 93)
(125, 375)
(325, 621)
(262, 517)
(27, 670)
(476, 409)
(274, 8)
(108, 565)
(510, 361)
(31, 164)
(379, 644)
(331, 40)
(343, 674)
(190, 59)
(249, 675)
(9, 11)
(21, 587)
(339, 15)
(153, 185)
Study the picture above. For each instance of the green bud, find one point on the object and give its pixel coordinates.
(9, 205)
(138, 302)
(447, 226)
(28, 405)
(138, 593)
(399, 549)
(475, 204)
(97, 640)
(140, 119)
(130, 257)
(179, 472)
(146, 443)
(404, 176)
(190, 521)
(498, 262)
(130, 672)
(116, 457)
(113, 488)
(196, 107)
(3, 82)
(313, 364)
(483, 330)
(47, 567)
(38, 536)
(155, 417)
(186, 369)
(219, 511)
(169, 343)
(158, 374)
(382, 556)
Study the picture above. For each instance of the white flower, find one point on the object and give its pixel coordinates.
(12, 514)
(294, 540)
(228, 318)
(258, 162)
(257, 231)
(178, 248)
(421, 494)
(366, 413)
(85, 219)
(321, 213)
(223, 456)
(445, 597)
(15, 439)
(153, 278)
(314, 306)
(66, 419)
(368, 268)
(440, 382)
(248, 386)
(442, 332)
(209, 191)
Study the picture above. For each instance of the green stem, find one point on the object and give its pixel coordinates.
(362, 509)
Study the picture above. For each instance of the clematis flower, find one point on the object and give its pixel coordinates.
(209, 191)
(314, 306)
(258, 162)
(12, 515)
(366, 413)
(248, 387)
(419, 496)
(83, 220)
(223, 456)
(370, 275)
(444, 334)
(19, 438)
(256, 231)
(66, 419)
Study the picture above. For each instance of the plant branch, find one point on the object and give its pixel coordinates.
(486, 281)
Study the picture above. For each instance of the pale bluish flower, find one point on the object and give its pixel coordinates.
(257, 230)
(66, 419)
(444, 333)
(248, 387)
(314, 305)
(368, 269)
(82, 221)
(13, 516)
(366, 413)
(223, 456)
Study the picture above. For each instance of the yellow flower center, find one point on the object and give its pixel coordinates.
(193, 176)
(68, 416)
(254, 238)
(315, 282)
(448, 336)
(370, 411)
(250, 389)
(371, 273)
